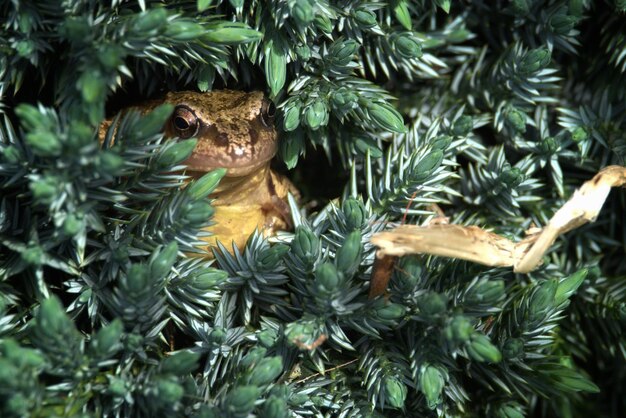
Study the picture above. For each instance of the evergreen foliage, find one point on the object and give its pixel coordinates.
(494, 110)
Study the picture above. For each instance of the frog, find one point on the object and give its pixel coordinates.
(235, 131)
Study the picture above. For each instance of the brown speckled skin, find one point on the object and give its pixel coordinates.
(234, 135)
(232, 132)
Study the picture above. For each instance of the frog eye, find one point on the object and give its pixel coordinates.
(268, 111)
(185, 122)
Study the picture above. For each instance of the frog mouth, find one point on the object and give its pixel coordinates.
(237, 161)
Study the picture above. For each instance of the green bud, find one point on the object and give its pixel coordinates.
(305, 245)
(513, 348)
(210, 278)
(520, 7)
(237, 4)
(136, 279)
(395, 392)
(18, 404)
(162, 260)
(206, 77)
(386, 117)
(152, 123)
(111, 56)
(24, 47)
(568, 286)
(341, 51)
(168, 392)
(569, 380)
(516, 119)
(275, 408)
(542, 300)
(343, 99)
(355, 213)
(92, 86)
(111, 163)
(75, 29)
(511, 177)
(327, 277)
(365, 143)
(117, 387)
(107, 340)
(535, 60)
(549, 145)
(80, 134)
(301, 332)
(303, 52)
(134, 342)
(482, 350)
(30, 358)
(205, 185)
(232, 33)
(580, 134)
(180, 363)
(33, 255)
(20, 356)
(302, 12)
(459, 329)
(11, 154)
(292, 147)
(32, 119)
(85, 296)
(426, 165)
(269, 258)
(441, 143)
(266, 371)
(283, 391)
(217, 336)
(316, 114)
(240, 401)
(401, 12)
(407, 46)
(323, 23)
(365, 18)
(348, 256)
(44, 143)
(267, 338)
(44, 190)
(253, 357)
(562, 24)
(291, 118)
(198, 212)
(8, 373)
(390, 312)
(432, 304)
(149, 21)
(184, 31)
(485, 292)
(463, 125)
(275, 69)
(509, 410)
(176, 153)
(52, 318)
(431, 383)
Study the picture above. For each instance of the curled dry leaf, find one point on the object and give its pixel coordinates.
(477, 245)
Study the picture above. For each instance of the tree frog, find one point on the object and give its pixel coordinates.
(235, 130)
